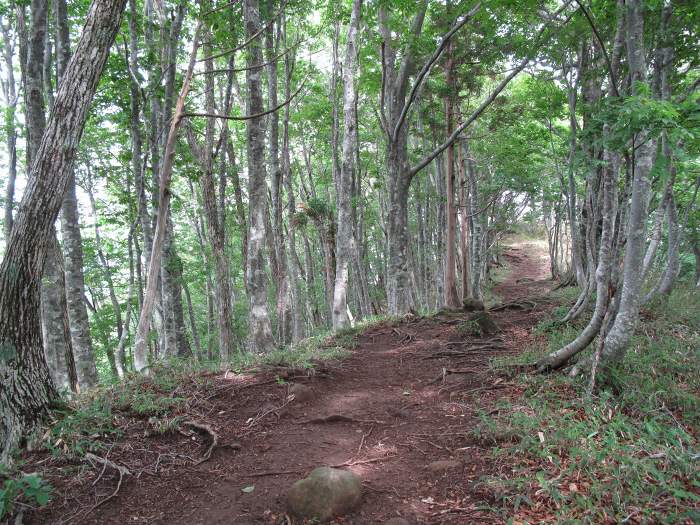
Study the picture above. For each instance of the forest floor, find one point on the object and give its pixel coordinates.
(408, 395)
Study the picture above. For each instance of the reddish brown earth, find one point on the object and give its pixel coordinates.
(403, 409)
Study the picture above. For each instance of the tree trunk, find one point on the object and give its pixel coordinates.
(604, 290)
(260, 331)
(345, 239)
(213, 213)
(72, 237)
(451, 296)
(26, 389)
(626, 319)
(141, 345)
(10, 94)
(294, 265)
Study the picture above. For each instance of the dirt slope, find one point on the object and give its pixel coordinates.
(400, 406)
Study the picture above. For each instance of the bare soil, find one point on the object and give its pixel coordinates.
(386, 413)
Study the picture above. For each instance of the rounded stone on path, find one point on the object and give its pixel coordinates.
(325, 493)
(444, 465)
(302, 393)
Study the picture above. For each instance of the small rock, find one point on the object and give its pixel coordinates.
(397, 521)
(302, 393)
(444, 465)
(486, 323)
(472, 305)
(324, 494)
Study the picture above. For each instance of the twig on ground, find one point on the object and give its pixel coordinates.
(270, 473)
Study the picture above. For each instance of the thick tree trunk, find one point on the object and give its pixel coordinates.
(56, 332)
(396, 75)
(26, 390)
(260, 330)
(345, 238)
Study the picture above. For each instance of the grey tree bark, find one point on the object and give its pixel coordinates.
(295, 270)
(26, 389)
(260, 330)
(628, 313)
(142, 330)
(214, 214)
(9, 90)
(72, 238)
(345, 238)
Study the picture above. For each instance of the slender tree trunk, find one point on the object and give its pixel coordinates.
(464, 224)
(141, 345)
(281, 273)
(604, 290)
(345, 239)
(260, 330)
(72, 237)
(451, 296)
(626, 318)
(213, 213)
(477, 259)
(11, 99)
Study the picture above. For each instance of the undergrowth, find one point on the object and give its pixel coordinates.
(628, 454)
(21, 490)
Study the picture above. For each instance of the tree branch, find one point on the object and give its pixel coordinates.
(428, 65)
(613, 80)
(485, 104)
(249, 40)
(248, 117)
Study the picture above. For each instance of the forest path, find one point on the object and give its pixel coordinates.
(405, 411)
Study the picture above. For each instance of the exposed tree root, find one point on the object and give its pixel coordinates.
(123, 471)
(214, 439)
(519, 304)
(336, 418)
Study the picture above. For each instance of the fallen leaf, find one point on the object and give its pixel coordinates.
(248, 489)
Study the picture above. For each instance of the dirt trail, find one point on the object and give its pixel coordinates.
(404, 413)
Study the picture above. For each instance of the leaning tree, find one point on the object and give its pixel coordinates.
(26, 389)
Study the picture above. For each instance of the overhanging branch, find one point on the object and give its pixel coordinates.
(485, 104)
(248, 117)
(428, 65)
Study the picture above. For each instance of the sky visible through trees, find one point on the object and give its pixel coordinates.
(227, 179)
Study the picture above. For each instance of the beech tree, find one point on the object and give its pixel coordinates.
(27, 390)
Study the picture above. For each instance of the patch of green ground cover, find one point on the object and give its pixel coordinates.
(630, 453)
